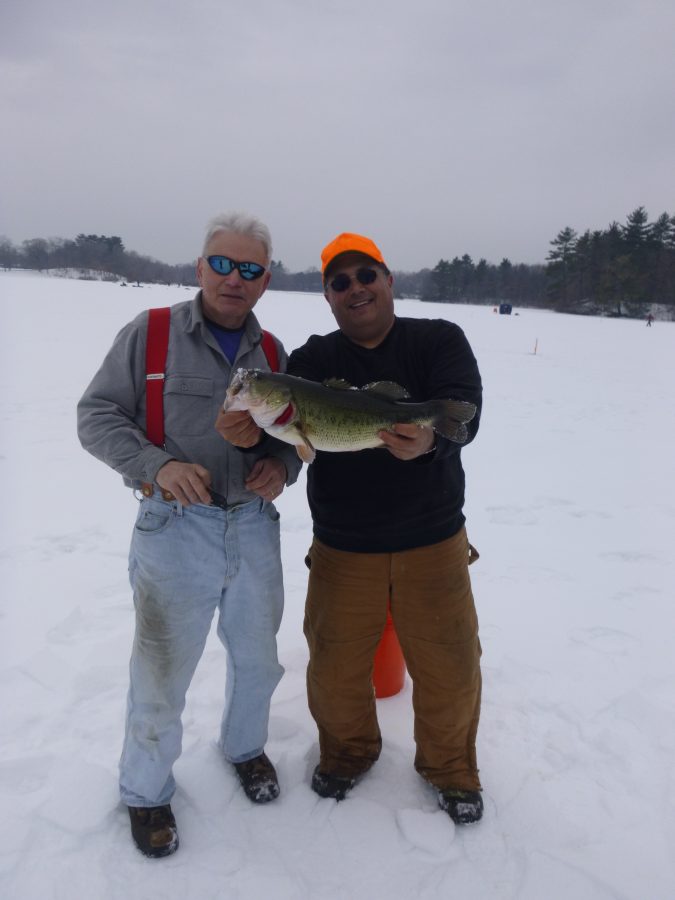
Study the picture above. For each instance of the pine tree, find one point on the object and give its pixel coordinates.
(560, 267)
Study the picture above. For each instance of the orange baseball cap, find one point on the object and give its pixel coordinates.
(350, 243)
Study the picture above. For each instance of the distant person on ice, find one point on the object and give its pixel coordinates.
(388, 523)
(650, 319)
(207, 533)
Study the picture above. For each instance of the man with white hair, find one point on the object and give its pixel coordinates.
(206, 536)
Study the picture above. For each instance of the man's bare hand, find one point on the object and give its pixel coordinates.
(188, 482)
(408, 441)
(238, 428)
(267, 478)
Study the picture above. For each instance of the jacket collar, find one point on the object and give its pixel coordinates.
(195, 320)
(252, 331)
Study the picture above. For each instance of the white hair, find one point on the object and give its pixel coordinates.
(240, 223)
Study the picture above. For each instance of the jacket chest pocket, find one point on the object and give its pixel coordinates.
(188, 405)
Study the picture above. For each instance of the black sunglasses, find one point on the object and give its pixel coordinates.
(223, 265)
(342, 281)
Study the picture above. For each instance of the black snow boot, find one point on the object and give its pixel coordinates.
(328, 784)
(463, 807)
(258, 778)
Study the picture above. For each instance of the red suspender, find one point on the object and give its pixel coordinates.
(270, 351)
(155, 366)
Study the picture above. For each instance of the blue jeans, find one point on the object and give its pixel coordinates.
(184, 564)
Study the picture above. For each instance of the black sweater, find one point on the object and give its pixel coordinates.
(369, 501)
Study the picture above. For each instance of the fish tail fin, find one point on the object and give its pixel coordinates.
(451, 418)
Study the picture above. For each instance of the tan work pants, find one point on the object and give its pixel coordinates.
(435, 619)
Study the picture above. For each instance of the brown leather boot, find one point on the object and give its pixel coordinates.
(153, 829)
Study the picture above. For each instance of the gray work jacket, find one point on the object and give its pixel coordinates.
(111, 412)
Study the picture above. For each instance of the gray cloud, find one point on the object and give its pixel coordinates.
(439, 127)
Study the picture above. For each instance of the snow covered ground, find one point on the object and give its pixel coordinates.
(571, 503)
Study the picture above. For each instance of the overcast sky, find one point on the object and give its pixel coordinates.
(437, 127)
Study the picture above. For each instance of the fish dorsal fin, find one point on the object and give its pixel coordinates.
(338, 384)
(388, 389)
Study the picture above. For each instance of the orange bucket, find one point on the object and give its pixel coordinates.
(389, 665)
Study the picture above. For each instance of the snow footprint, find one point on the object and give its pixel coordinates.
(511, 515)
(431, 832)
(26, 775)
(604, 640)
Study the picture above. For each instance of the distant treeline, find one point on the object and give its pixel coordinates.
(621, 271)
(96, 254)
(624, 270)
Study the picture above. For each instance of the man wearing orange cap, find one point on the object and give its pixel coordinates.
(389, 534)
(389, 531)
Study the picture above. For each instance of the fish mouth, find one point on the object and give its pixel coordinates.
(248, 380)
(241, 379)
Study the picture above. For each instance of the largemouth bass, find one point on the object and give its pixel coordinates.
(336, 416)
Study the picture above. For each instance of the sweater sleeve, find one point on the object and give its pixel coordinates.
(453, 374)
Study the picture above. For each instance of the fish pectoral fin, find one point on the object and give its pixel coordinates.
(387, 389)
(306, 452)
(303, 445)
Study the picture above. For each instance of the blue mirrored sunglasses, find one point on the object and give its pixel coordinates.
(342, 281)
(223, 265)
